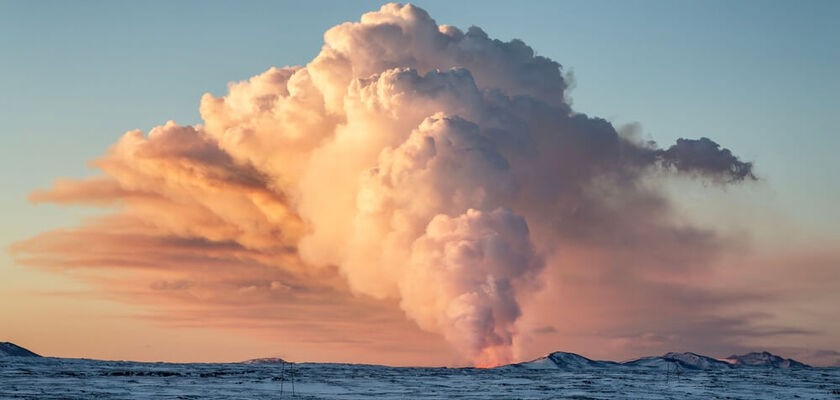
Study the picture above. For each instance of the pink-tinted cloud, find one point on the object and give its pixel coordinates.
(439, 170)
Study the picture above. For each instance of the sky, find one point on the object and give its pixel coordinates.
(729, 264)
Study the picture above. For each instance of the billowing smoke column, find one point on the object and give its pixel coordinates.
(430, 165)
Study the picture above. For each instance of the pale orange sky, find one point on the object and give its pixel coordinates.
(56, 315)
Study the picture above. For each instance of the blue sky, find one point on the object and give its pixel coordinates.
(759, 77)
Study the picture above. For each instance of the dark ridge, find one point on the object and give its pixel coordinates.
(270, 360)
(8, 349)
(765, 359)
(685, 360)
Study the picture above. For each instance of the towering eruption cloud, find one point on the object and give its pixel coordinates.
(426, 164)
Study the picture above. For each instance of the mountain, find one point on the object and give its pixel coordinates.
(270, 360)
(764, 359)
(563, 360)
(669, 361)
(679, 360)
(8, 349)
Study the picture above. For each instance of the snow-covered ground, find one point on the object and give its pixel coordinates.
(51, 378)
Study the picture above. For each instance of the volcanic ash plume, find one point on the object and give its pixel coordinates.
(427, 164)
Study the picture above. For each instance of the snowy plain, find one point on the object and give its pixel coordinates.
(55, 378)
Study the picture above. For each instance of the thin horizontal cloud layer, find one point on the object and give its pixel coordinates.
(408, 161)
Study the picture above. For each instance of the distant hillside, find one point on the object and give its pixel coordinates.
(272, 360)
(8, 349)
(687, 360)
(764, 359)
(563, 360)
(684, 360)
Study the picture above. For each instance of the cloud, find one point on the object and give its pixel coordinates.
(463, 277)
(705, 156)
(409, 162)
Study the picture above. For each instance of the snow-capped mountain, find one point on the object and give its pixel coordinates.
(8, 349)
(564, 360)
(764, 359)
(686, 360)
(679, 360)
